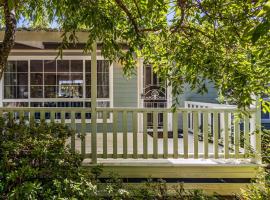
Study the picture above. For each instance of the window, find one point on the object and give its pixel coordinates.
(55, 83)
(265, 115)
(16, 80)
(70, 78)
(102, 78)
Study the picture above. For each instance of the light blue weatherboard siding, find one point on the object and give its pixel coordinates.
(189, 95)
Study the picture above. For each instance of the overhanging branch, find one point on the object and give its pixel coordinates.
(9, 36)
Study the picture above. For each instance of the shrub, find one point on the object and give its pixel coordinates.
(260, 188)
(36, 164)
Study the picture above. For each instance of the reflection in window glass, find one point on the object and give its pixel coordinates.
(70, 91)
(15, 104)
(10, 92)
(102, 79)
(76, 66)
(36, 79)
(63, 78)
(22, 66)
(50, 91)
(36, 66)
(49, 66)
(88, 66)
(22, 78)
(36, 104)
(10, 79)
(11, 66)
(265, 115)
(16, 80)
(22, 92)
(63, 65)
(50, 104)
(103, 91)
(36, 92)
(55, 79)
(49, 79)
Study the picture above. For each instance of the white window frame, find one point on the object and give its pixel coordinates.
(65, 57)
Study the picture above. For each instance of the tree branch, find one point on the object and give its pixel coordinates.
(9, 36)
(182, 4)
(121, 5)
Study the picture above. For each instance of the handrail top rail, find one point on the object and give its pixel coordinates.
(198, 103)
(120, 109)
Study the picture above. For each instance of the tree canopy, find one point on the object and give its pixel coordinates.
(186, 41)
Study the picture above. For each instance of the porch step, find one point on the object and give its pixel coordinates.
(230, 175)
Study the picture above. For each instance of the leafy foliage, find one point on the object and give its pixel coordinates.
(260, 188)
(187, 41)
(36, 164)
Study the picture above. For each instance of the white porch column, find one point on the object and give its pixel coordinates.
(169, 105)
(2, 91)
(140, 82)
(94, 102)
(255, 130)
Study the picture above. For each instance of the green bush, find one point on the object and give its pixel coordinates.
(36, 164)
(260, 188)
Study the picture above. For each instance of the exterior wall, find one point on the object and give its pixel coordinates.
(125, 93)
(189, 95)
(124, 89)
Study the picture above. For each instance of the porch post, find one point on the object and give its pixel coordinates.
(94, 102)
(258, 156)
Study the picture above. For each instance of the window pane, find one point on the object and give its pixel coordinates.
(10, 92)
(36, 79)
(76, 91)
(22, 92)
(36, 66)
(103, 65)
(76, 66)
(36, 104)
(64, 91)
(49, 79)
(63, 104)
(49, 104)
(102, 78)
(77, 78)
(63, 78)
(148, 75)
(15, 104)
(50, 91)
(63, 65)
(265, 115)
(22, 78)
(88, 92)
(22, 66)
(49, 66)
(76, 104)
(11, 66)
(10, 79)
(103, 104)
(88, 79)
(88, 66)
(36, 92)
(103, 91)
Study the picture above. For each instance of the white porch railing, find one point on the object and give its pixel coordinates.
(234, 141)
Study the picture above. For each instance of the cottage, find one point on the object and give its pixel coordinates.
(127, 124)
